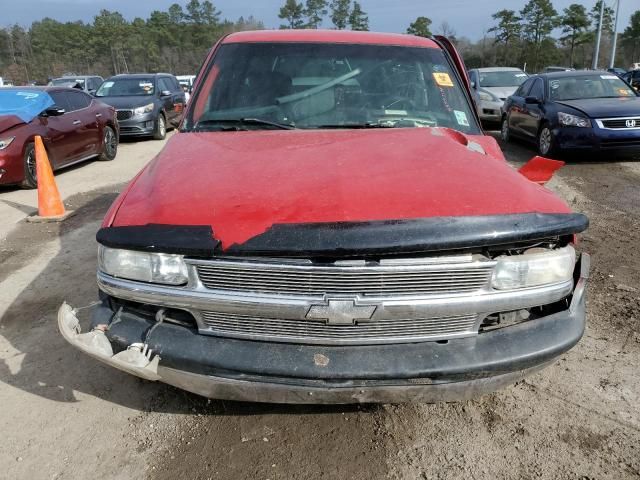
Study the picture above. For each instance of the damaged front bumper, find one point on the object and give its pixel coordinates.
(237, 369)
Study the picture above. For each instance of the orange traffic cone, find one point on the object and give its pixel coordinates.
(50, 206)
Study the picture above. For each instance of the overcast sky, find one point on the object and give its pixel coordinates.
(469, 18)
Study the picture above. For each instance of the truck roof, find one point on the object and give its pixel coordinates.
(330, 36)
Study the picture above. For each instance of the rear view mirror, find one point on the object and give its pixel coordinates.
(165, 93)
(532, 100)
(54, 111)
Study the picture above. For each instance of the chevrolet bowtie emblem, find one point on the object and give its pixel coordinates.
(341, 312)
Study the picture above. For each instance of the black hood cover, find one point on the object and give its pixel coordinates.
(351, 239)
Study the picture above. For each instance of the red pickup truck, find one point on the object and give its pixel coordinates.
(331, 225)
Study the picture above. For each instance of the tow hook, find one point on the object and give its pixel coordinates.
(138, 359)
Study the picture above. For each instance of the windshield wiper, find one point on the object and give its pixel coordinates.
(236, 124)
(352, 125)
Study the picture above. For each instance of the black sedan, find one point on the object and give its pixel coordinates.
(574, 112)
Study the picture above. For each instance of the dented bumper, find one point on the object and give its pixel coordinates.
(236, 369)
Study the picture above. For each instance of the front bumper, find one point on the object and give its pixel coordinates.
(490, 111)
(597, 140)
(248, 370)
(138, 125)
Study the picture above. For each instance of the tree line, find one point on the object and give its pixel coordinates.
(312, 13)
(526, 37)
(177, 40)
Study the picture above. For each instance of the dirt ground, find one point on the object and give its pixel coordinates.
(66, 416)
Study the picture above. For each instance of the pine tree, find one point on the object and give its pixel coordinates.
(292, 12)
(315, 11)
(358, 19)
(340, 13)
(420, 27)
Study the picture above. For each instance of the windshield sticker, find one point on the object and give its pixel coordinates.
(396, 112)
(521, 74)
(608, 77)
(107, 84)
(461, 118)
(555, 84)
(443, 79)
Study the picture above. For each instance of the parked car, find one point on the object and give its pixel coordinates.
(557, 69)
(632, 78)
(87, 83)
(617, 71)
(491, 87)
(331, 225)
(147, 104)
(186, 81)
(584, 112)
(73, 125)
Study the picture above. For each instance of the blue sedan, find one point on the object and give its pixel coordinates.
(567, 112)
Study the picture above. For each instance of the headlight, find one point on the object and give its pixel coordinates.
(534, 269)
(487, 97)
(143, 110)
(568, 120)
(5, 142)
(143, 266)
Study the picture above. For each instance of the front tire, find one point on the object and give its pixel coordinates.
(546, 141)
(505, 134)
(160, 132)
(29, 160)
(109, 144)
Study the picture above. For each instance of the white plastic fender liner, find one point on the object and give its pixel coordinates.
(137, 359)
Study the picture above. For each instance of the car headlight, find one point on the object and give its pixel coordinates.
(5, 142)
(143, 266)
(143, 110)
(534, 268)
(568, 120)
(487, 97)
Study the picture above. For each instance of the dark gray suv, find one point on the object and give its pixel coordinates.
(88, 83)
(147, 104)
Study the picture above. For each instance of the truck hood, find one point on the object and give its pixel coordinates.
(606, 107)
(243, 183)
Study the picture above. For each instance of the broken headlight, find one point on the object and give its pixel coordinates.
(143, 266)
(534, 268)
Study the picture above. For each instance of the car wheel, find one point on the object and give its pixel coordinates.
(504, 130)
(109, 144)
(161, 128)
(545, 141)
(30, 179)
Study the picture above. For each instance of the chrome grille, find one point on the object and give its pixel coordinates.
(315, 332)
(619, 123)
(377, 279)
(124, 114)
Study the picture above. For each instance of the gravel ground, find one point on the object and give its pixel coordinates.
(64, 415)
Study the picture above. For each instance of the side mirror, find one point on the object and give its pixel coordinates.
(165, 93)
(54, 111)
(532, 101)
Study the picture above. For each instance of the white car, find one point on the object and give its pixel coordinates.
(491, 87)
